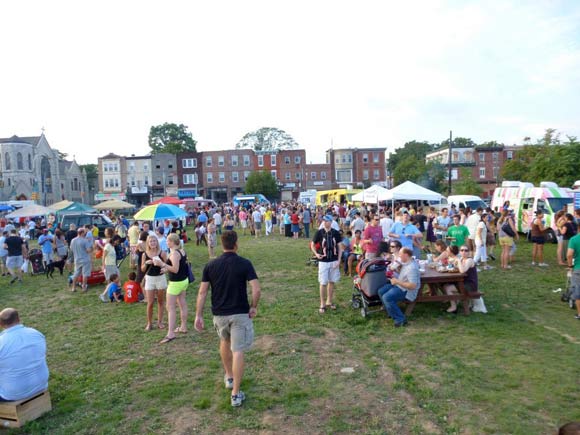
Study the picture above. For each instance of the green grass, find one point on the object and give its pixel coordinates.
(510, 371)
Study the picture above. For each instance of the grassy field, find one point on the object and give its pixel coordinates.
(513, 370)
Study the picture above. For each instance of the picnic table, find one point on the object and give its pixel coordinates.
(432, 280)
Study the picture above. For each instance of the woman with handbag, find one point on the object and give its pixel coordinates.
(177, 270)
(155, 281)
(506, 241)
(538, 239)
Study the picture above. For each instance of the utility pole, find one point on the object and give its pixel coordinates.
(449, 160)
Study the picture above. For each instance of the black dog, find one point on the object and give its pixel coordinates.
(55, 265)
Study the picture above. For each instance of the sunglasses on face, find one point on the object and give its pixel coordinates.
(464, 250)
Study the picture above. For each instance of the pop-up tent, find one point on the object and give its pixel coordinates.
(114, 204)
(372, 195)
(75, 207)
(30, 211)
(60, 205)
(409, 191)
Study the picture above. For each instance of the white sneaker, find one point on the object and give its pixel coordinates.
(543, 264)
(229, 382)
(237, 399)
(533, 264)
(102, 298)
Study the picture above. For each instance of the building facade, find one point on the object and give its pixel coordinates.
(357, 167)
(31, 169)
(163, 175)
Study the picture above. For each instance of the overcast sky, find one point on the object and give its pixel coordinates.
(97, 75)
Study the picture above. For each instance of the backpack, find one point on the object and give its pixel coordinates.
(506, 228)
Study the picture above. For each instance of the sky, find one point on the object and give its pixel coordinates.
(97, 75)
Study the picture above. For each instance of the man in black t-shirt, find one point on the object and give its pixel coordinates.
(228, 276)
(16, 253)
(327, 248)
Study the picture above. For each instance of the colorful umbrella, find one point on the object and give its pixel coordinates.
(159, 211)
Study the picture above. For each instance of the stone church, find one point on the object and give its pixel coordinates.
(31, 169)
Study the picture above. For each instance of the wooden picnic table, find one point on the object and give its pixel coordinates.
(433, 280)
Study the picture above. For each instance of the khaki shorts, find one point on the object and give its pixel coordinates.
(506, 241)
(238, 329)
(155, 282)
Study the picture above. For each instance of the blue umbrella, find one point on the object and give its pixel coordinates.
(6, 207)
(159, 211)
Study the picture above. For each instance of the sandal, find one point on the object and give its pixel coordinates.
(166, 340)
(331, 307)
(321, 310)
(179, 330)
(160, 326)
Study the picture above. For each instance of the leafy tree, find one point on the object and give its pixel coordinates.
(170, 138)
(429, 175)
(415, 149)
(458, 142)
(91, 171)
(466, 185)
(262, 182)
(267, 139)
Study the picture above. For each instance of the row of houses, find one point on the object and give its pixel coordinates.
(220, 175)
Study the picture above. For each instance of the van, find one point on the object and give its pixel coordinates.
(81, 219)
(464, 201)
(525, 199)
(250, 199)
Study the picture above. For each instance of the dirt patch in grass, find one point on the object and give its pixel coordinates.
(186, 421)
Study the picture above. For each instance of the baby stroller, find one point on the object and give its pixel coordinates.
(567, 294)
(36, 263)
(371, 275)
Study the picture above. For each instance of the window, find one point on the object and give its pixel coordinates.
(170, 180)
(246, 175)
(260, 160)
(375, 157)
(510, 155)
(365, 159)
(222, 177)
(189, 178)
(131, 166)
(145, 166)
(323, 175)
(454, 156)
(235, 177)
(146, 181)
(235, 160)
(159, 182)
(132, 181)
(209, 177)
(19, 161)
(344, 176)
(287, 176)
(221, 161)
(297, 160)
(495, 172)
(287, 160)
(116, 182)
(273, 160)
(313, 175)
(482, 157)
(7, 161)
(365, 174)
(495, 156)
(157, 166)
(274, 174)
(376, 174)
(298, 176)
(76, 184)
(189, 163)
(170, 166)
(208, 161)
(481, 172)
(246, 160)
(29, 162)
(337, 159)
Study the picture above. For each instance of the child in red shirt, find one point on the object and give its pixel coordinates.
(133, 291)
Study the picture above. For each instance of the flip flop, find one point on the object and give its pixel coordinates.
(331, 307)
(166, 340)
(179, 330)
(321, 310)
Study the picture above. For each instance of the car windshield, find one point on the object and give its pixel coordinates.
(475, 204)
(557, 204)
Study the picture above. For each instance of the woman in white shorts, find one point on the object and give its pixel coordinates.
(155, 281)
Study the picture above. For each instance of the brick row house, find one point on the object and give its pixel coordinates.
(357, 167)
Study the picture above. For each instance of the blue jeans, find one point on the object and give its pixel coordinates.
(218, 229)
(391, 294)
(307, 229)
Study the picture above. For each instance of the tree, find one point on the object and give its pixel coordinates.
(417, 150)
(170, 138)
(466, 185)
(91, 171)
(458, 142)
(262, 182)
(267, 139)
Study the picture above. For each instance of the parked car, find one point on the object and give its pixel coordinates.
(81, 219)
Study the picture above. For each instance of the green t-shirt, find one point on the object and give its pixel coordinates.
(459, 233)
(574, 244)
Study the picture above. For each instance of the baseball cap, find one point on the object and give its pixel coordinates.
(327, 218)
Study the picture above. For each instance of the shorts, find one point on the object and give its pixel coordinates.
(575, 285)
(539, 240)
(175, 288)
(258, 225)
(3, 259)
(47, 257)
(295, 228)
(244, 224)
(506, 241)
(14, 262)
(328, 272)
(109, 270)
(83, 269)
(155, 282)
(119, 295)
(237, 328)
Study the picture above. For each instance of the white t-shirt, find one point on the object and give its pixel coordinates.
(31, 225)
(357, 224)
(386, 224)
(483, 227)
(257, 216)
(217, 218)
(471, 224)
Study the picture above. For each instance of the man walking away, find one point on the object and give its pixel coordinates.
(16, 254)
(573, 259)
(228, 276)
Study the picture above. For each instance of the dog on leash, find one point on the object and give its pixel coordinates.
(50, 267)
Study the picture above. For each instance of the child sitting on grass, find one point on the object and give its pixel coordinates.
(113, 290)
(133, 291)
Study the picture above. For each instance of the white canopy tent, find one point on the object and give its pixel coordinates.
(409, 191)
(372, 195)
(30, 211)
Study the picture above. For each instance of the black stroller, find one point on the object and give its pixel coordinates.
(36, 266)
(371, 276)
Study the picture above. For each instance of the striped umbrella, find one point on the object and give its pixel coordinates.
(159, 211)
